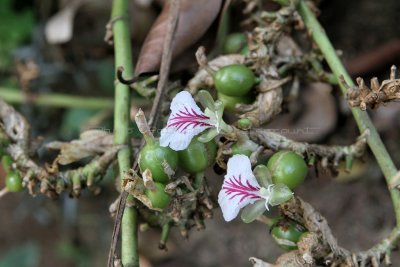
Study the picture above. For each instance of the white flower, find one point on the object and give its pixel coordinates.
(185, 122)
(241, 188)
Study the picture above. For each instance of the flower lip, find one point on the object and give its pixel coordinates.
(187, 118)
(234, 187)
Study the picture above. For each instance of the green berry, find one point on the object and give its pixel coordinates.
(234, 43)
(231, 101)
(287, 235)
(158, 197)
(14, 182)
(234, 80)
(287, 168)
(152, 157)
(197, 156)
(6, 163)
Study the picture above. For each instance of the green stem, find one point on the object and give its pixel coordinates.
(59, 100)
(164, 235)
(361, 117)
(123, 57)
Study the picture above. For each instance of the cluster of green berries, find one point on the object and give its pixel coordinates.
(194, 159)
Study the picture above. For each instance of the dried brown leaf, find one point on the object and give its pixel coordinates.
(91, 142)
(195, 18)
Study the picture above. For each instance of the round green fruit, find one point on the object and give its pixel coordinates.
(231, 101)
(158, 197)
(234, 43)
(286, 236)
(234, 80)
(287, 168)
(14, 182)
(152, 157)
(197, 156)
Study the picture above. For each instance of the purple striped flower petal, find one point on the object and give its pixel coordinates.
(240, 187)
(185, 122)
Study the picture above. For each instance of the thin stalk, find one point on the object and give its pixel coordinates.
(57, 100)
(123, 57)
(361, 117)
(60, 100)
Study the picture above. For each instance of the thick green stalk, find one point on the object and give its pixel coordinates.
(361, 117)
(123, 57)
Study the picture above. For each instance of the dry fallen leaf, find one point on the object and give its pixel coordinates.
(195, 18)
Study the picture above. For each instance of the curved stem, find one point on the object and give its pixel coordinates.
(361, 117)
(123, 57)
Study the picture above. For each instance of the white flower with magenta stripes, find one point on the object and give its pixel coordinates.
(241, 188)
(187, 120)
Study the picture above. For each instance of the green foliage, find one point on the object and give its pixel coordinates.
(73, 253)
(15, 28)
(26, 255)
(73, 120)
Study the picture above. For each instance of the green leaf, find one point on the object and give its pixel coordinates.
(26, 255)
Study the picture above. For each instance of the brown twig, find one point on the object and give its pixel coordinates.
(275, 141)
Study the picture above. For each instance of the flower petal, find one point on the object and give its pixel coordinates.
(185, 122)
(239, 189)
